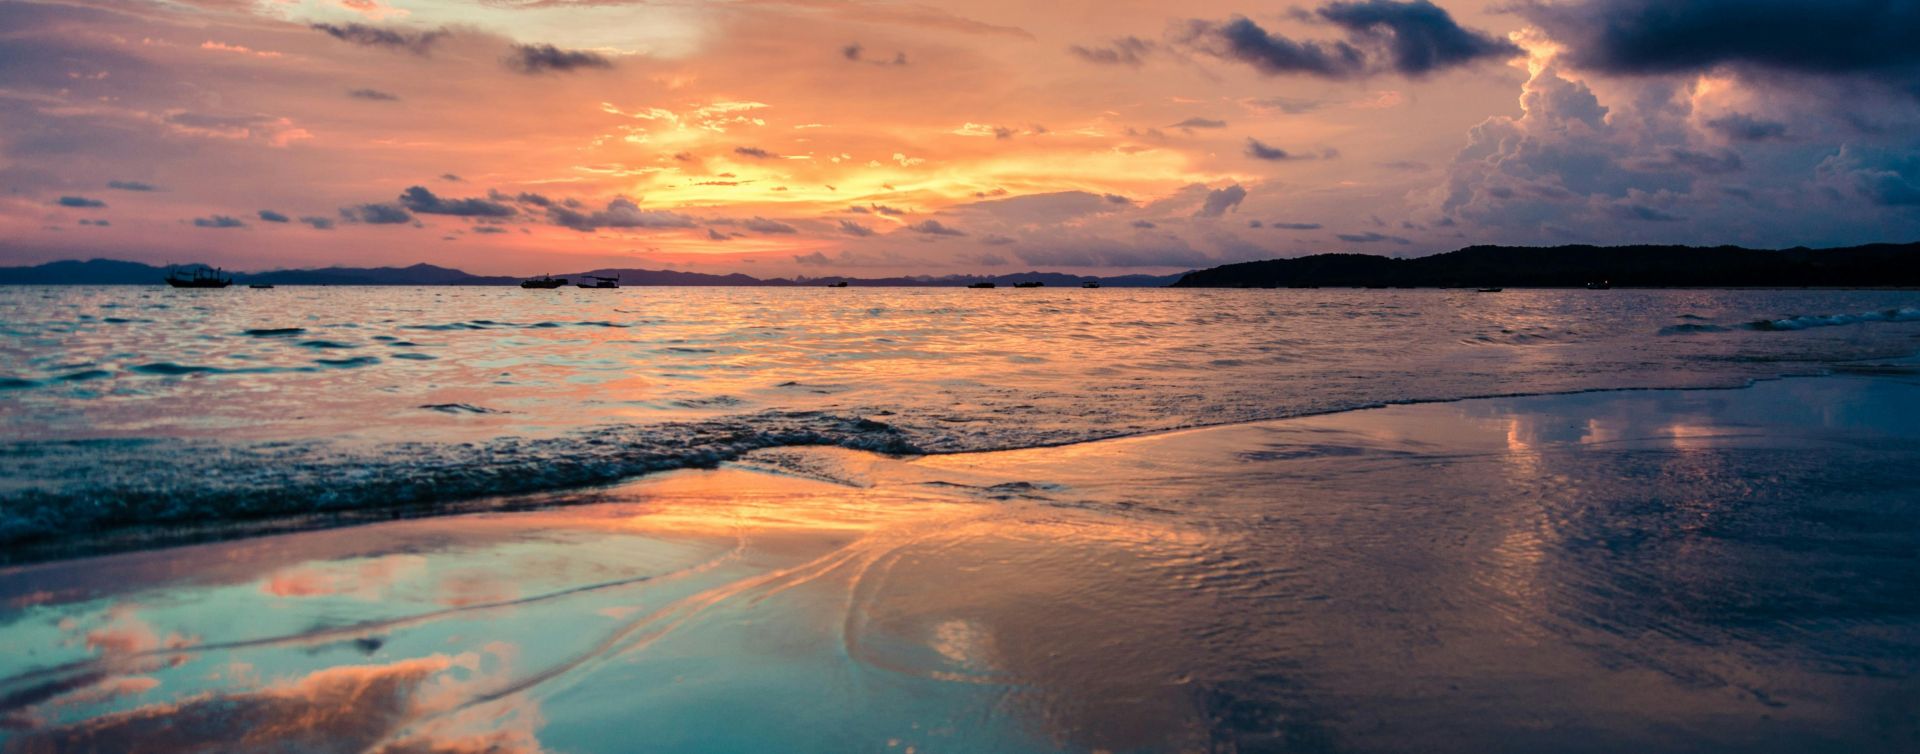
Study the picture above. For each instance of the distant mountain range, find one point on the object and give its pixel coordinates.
(1874, 265)
(115, 272)
(1474, 266)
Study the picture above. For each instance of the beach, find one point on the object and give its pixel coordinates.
(1648, 570)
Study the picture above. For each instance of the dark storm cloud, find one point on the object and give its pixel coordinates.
(1886, 178)
(218, 221)
(318, 223)
(79, 202)
(131, 186)
(934, 228)
(1664, 36)
(1744, 127)
(1220, 200)
(1693, 160)
(374, 95)
(544, 58)
(419, 199)
(1131, 51)
(754, 152)
(376, 214)
(274, 217)
(1198, 122)
(1419, 37)
(852, 228)
(1261, 151)
(416, 42)
(620, 213)
(1410, 38)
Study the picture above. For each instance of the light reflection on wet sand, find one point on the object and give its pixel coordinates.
(1656, 571)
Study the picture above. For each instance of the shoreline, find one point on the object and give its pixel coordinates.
(155, 538)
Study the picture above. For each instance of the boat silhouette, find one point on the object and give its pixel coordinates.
(1090, 284)
(544, 281)
(1030, 284)
(199, 277)
(981, 285)
(601, 281)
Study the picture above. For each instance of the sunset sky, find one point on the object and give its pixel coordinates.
(863, 137)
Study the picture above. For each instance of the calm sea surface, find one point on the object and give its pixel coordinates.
(196, 404)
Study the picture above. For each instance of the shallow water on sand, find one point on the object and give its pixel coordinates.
(1629, 571)
(129, 406)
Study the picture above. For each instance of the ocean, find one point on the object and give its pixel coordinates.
(124, 406)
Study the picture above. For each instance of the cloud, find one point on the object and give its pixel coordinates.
(1370, 238)
(754, 152)
(857, 230)
(763, 225)
(1260, 151)
(1744, 127)
(1867, 37)
(1294, 226)
(376, 214)
(1412, 38)
(218, 221)
(536, 59)
(1288, 105)
(854, 53)
(1419, 37)
(1242, 40)
(1886, 178)
(1641, 213)
(95, 223)
(814, 258)
(372, 95)
(934, 228)
(1091, 251)
(273, 217)
(79, 202)
(318, 223)
(1046, 208)
(422, 201)
(1220, 200)
(621, 212)
(131, 186)
(1144, 224)
(1198, 122)
(1131, 51)
(416, 42)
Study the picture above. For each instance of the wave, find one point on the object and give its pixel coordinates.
(1901, 314)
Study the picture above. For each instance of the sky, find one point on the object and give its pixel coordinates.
(870, 138)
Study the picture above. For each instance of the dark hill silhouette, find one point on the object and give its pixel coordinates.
(115, 272)
(1574, 266)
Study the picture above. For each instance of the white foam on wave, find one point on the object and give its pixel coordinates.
(1803, 322)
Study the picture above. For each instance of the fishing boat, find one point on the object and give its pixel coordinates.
(199, 277)
(544, 281)
(841, 284)
(1600, 285)
(981, 285)
(601, 281)
(1490, 289)
(1030, 284)
(1090, 284)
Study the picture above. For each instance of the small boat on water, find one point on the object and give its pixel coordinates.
(544, 281)
(261, 286)
(981, 285)
(1030, 284)
(1490, 289)
(1090, 284)
(199, 277)
(841, 284)
(1600, 286)
(601, 281)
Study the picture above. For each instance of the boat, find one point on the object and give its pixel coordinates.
(1490, 289)
(199, 277)
(544, 281)
(1090, 284)
(261, 286)
(981, 285)
(841, 284)
(1030, 284)
(1600, 286)
(600, 281)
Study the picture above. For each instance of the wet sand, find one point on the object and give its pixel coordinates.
(1647, 571)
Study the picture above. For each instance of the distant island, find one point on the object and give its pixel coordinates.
(116, 272)
(1874, 265)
